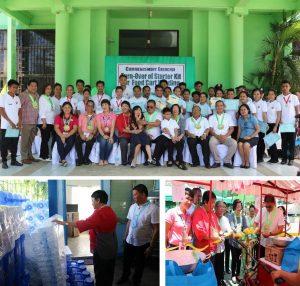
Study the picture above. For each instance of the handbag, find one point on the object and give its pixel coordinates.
(291, 257)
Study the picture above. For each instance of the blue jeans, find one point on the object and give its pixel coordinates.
(105, 147)
(64, 149)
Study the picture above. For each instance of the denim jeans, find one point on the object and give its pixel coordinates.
(64, 149)
(105, 147)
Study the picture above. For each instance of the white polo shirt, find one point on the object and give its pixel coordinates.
(215, 120)
(46, 110)
(232, 114)
(171, 125)
(191, 124)
(141, 102)
(226, 228)
(56, 103)
(141, 220)
(11, 105)
(97, 98)
(261, 107)
(288, 104)
(81, 107)
(78, 96)
(127, 93)
(276, 220)
(273, 108)
(74, 102)
(153, 132)
(115, 105)
(158, 100)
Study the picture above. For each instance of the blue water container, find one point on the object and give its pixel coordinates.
(22, 240)
(82, 268)
(9, 268)
(2, 198)
(78, 283)
(80, 262)
(18, 262)
(86, 274)
(89, 282)
(2, 272)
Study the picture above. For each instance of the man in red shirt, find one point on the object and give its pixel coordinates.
(103, 238)
(122, 125)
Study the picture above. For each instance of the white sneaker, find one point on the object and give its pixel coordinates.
(233, 279)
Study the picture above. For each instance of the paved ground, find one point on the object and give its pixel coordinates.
(47, 169)
(80, 247)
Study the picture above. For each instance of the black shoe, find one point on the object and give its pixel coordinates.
(146, 163)
(207, 166)
(4, 165)
(291, 163)
(216, 165)
(283, 162)
(16, 163)
(228, 165)
(194, 165)
(78, 163)
(260, 160)
(272, 161)
(122, 280)
(87, 162)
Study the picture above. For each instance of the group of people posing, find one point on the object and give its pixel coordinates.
(190, 222)
(135, 119)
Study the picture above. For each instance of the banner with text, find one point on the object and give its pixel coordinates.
(149, 71)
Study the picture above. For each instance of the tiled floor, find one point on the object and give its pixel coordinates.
(47, 169)
(80, 247)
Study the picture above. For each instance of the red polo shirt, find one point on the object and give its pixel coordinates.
(102, 220)
(60, 122)
(122, 122)
(200, 225)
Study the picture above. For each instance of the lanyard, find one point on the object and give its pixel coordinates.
(99, 100)
(177, 118)
(286, 101)
(197, 124)
(251, 221)
(89, 120)
(135, 220)
(105, 120)
(238, 225)
(269, 219)
(212, 219)
(150, 118)
(69, 99)
(220, 125)
(67, 121)
(184, 221)
(33, 101)
(119, 103)
(50, 101)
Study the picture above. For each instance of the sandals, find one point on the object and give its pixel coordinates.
(182, 166)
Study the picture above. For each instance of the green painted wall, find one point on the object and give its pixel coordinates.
(204, 34)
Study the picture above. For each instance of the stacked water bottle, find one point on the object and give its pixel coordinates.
(12, 229)
(35, 213)
(77, 274)
(46, 260)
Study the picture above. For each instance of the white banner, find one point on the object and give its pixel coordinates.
(151, 74)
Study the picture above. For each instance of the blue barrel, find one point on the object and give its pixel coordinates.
(80, 262)
(18, 262)
(89, 281)
(78, 283)
(86, 274)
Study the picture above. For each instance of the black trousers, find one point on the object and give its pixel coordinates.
(179, 148)
(8, 144)
(218, 263)
(162, 144)
(124, 150)
(273, 149)
(288, 145)
(132, 252)
(104, 270)
(192, 143)
(236, 261)
(45, 134)
(227, 254)
(260, 146)
(262, 251)
(88, 148)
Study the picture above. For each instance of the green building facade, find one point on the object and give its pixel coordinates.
(224, 36)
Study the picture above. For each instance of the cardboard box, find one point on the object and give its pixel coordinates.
(72, 231)
(274, 254)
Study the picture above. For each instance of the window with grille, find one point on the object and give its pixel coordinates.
(3, 58)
